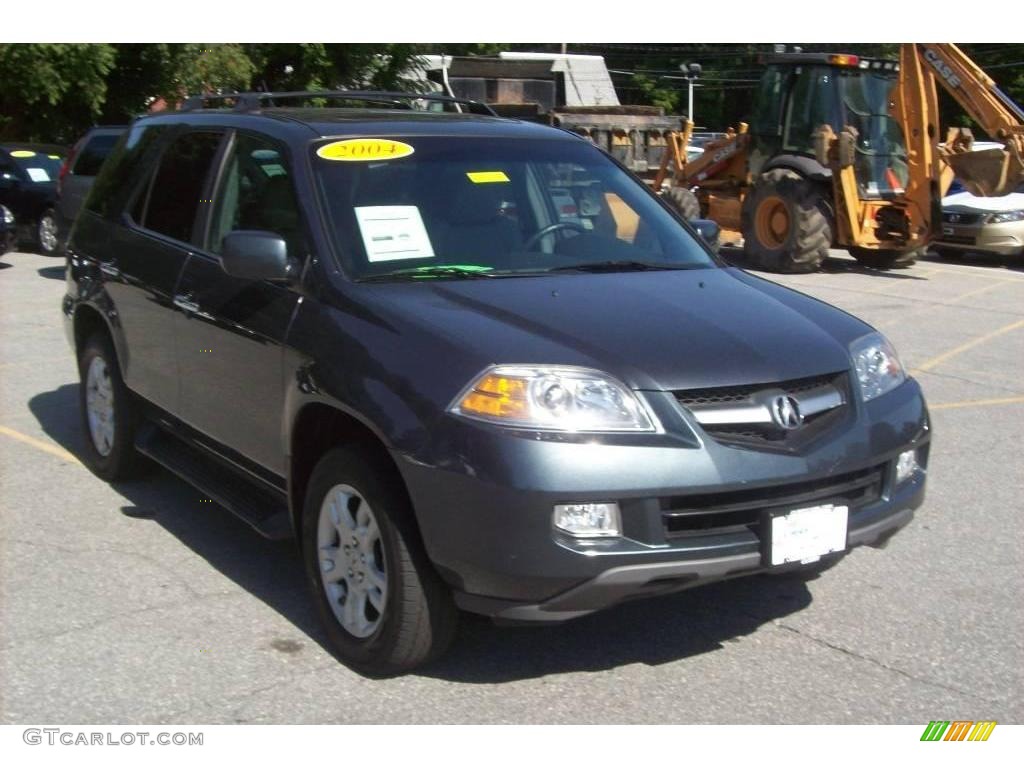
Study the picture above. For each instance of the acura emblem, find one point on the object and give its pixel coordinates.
(954, 217)
(786, 412)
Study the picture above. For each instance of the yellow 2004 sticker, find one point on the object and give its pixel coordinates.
(363, 150)
(23, 153)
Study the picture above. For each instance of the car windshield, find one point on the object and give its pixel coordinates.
(38, 167)
(479, 207)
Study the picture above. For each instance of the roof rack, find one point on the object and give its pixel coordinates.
(248, 102)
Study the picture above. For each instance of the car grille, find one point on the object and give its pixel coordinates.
(722, 411)
(952, 217)
(732, 511)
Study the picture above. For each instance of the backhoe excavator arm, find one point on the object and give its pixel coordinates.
(989, 172)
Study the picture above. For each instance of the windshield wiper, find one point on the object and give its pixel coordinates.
(617, 266)
(463, 271)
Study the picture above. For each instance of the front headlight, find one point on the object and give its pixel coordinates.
(1004, 216)
(553, 398)
(7, 215)
(878, 368)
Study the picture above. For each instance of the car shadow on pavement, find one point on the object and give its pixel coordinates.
(831, 265)
(5, 265)
(977, 259)
(53, 273)
(653, 631)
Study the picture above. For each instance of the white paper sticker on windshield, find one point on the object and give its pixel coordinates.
(38, 174)
(393, 232)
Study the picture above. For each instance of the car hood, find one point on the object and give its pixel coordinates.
(655, 330)
(965, 201)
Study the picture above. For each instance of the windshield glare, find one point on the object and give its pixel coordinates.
(500, 206)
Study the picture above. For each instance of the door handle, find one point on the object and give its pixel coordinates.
(110, 270)
(184, 302)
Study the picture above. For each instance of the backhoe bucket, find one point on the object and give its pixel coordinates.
(988, 172)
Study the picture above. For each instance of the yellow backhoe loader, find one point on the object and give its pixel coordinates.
(844, 152)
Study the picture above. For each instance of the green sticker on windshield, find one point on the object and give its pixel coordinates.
(22, 153)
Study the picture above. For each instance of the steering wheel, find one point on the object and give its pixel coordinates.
(545, 231)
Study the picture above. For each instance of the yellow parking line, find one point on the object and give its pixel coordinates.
(927, 365)
(970, 403)
(50, 448)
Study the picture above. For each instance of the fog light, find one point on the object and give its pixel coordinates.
(588, 520)
(906, 465)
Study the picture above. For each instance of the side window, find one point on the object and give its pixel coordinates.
(115, 180)
(178, 186)
(256, 192)
(92, 155)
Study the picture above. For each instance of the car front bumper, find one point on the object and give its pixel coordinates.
(485, 511)
(1006, 239)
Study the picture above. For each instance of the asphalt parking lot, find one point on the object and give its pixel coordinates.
(142, 603)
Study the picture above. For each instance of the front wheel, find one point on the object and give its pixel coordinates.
(885, 259)
(47, 233)
(684, 201)
(382, 604)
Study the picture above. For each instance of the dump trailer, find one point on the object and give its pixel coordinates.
(844, 151)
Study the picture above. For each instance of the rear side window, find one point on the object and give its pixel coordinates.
(92, 155)
(118, 176)
(177, 188)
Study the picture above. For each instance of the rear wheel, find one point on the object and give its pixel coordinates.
(883, 259)
(109, 414)
(786, 223)
(382, 604)
(684, 201)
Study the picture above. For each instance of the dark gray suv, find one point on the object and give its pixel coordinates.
(470, 363)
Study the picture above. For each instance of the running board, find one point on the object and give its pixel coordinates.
(264, 510)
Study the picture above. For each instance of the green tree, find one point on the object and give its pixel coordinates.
(52, 91)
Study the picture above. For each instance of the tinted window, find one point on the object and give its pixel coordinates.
(92, 155)
(177, 189)
(256, 193)
(118, 177)
(496, 205)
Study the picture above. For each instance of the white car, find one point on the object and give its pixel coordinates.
(982, 224)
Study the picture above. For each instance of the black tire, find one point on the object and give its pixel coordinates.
(802, 244)
(419, 617)
(950, 254)
(121, 461)
(684, 201)
(886, 259)
(47, 233)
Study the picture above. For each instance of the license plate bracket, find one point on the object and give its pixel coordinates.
(804, 534)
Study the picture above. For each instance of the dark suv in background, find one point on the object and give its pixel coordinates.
(79, 171)
(469, 363)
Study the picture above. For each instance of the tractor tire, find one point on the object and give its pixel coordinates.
(877, 259)
(684, 202)
(787, 226)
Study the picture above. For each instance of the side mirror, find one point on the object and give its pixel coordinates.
(256, 255)
(709, 232)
